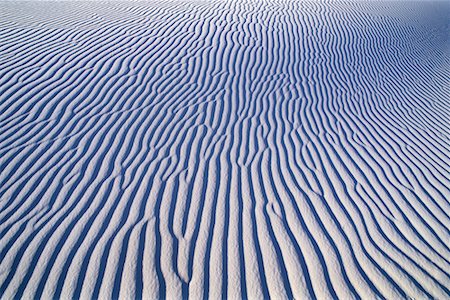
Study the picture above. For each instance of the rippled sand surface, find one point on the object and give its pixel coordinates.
(224, 149)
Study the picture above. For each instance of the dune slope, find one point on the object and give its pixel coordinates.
(234, 149)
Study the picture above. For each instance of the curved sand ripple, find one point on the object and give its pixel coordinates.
(229, 149)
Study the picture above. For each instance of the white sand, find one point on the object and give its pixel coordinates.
(235, 149)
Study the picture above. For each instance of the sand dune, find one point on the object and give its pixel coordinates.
(227, 149)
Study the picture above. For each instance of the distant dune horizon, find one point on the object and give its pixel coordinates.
(234, 149)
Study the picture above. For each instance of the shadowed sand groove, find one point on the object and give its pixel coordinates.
(224, 149)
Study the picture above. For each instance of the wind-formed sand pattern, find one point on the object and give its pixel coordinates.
(224, 149)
